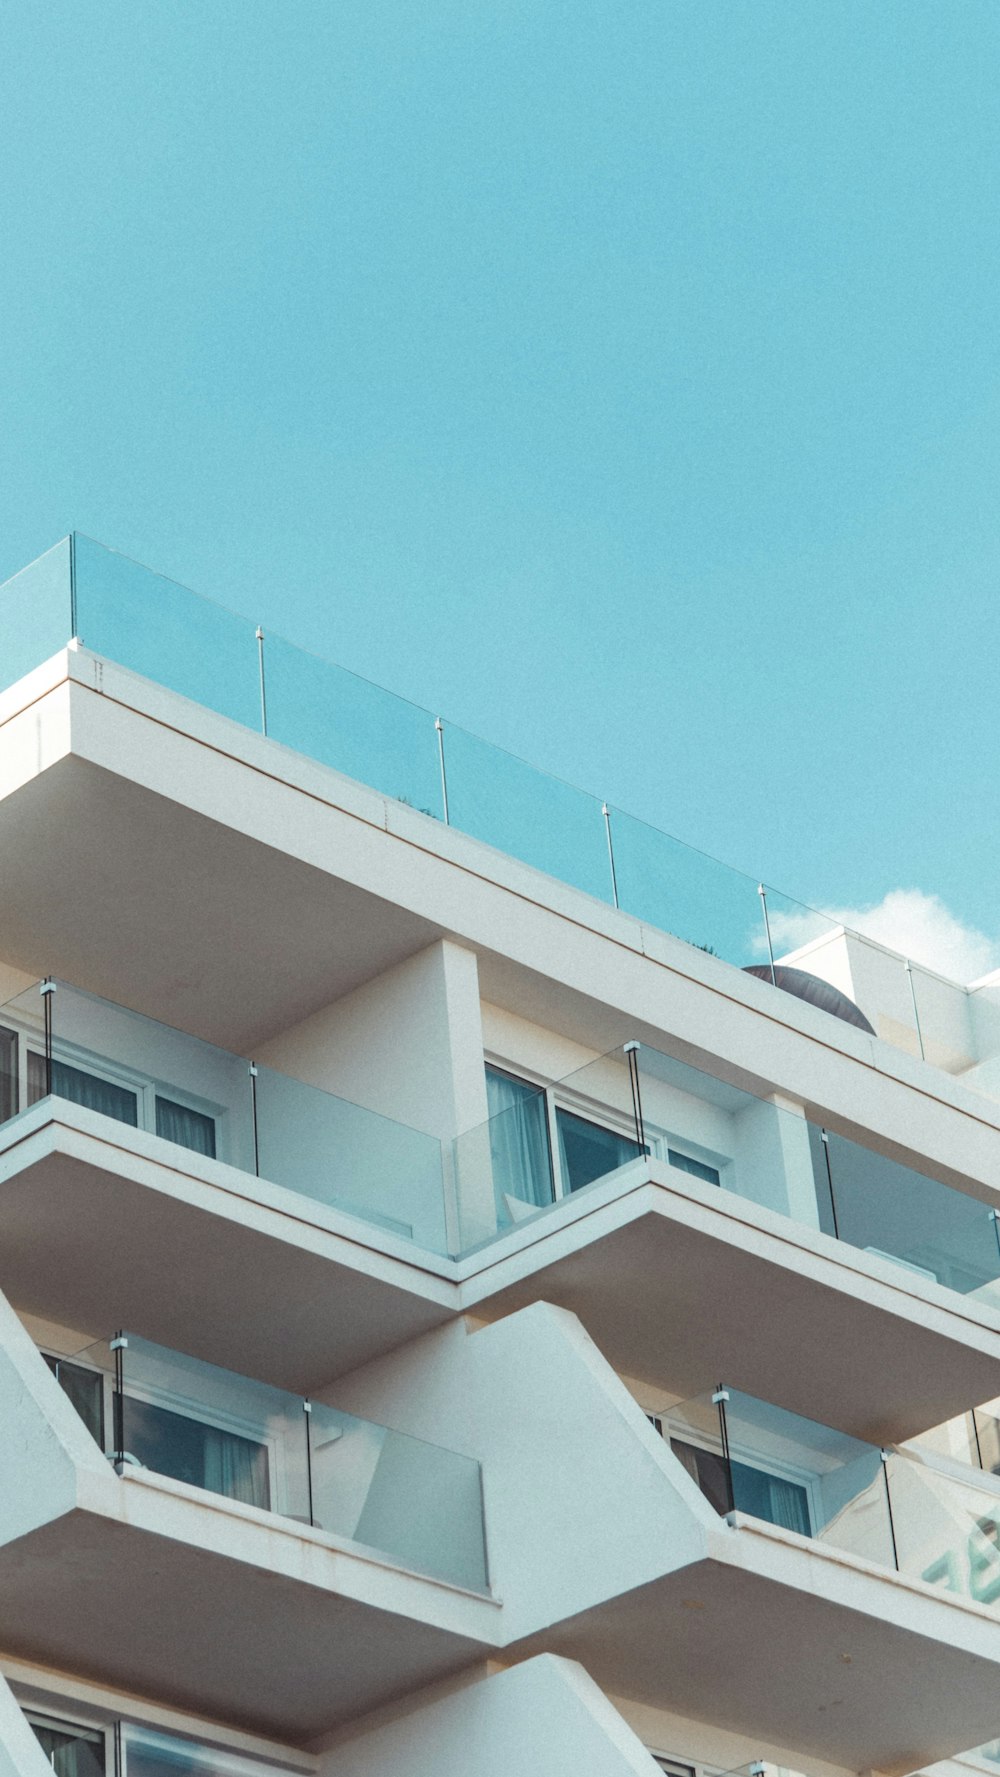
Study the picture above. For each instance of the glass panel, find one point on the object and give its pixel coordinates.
(36, 619)
(81, 1088)
(805, 1476)
(353, 725)
(686, 892)
(113, 1061)
(71, 1751)
(537, 818)
(188, 1128)
(939, 1234)
(8, 1073)
(986, 1439)
(166, 632)
(214, 1429)
(587, 1151)
(84, 1388)
(350, 1158)
(232, 1435)
(786, 1470)
(414, 1500)
(150, 1754)
(519, 1143)
(947, 1530)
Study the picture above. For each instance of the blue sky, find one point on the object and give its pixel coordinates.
(620, 380)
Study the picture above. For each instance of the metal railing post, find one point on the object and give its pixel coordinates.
(762, 892)
(439, 728)
(606, 812)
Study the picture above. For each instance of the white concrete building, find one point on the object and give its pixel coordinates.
(454, 1319)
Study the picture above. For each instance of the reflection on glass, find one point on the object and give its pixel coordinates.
(71, 1751)
(189, 1449)
(357, 727)
(85, 1389)
(519, 1142)
(166, 632)
(525, 812)
(36, 614)
(82, 1088)
(588, 1151)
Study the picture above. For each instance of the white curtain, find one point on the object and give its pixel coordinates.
(519, 1141)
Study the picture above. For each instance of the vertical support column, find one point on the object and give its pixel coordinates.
(439, 729)
(916, 1010)
(762, 892)
(307, 1414)
(73, 620)
(888, 1500)
(117, 1748)
(606, 812)
(47, 989)
(719, 1399)
(252, 1070)
(632, 1063)
(829, 1179)
(119, 1345)
(263, 682)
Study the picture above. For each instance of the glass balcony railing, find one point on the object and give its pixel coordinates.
(79, 1749)
(149, 1407)
(127, 613)
(546, 1144)
(887, 1506)
(57, 1041)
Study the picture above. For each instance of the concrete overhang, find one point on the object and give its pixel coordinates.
(103, 1226)
(144, 1584)
(307, 883)
(802, 1645)
(681, 1284)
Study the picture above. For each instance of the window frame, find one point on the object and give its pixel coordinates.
(29, 1042)
(659, 1140)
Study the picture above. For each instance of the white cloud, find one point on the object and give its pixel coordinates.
(917, 925)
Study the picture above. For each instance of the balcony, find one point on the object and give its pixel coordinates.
(88, 1748)
(381, 1593)
(145, 1167)
(147, 1407)
(815, 1592)
(127, 614)
(634, 1192)
(691, 1223)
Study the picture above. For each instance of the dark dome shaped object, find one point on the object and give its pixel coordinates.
(811, 988)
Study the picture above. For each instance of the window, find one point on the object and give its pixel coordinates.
(519, 1143)
(672, 1766)
(82, 1088)
(696, 1168)
(194, 1451)
(70, 1750)
(176, 1122)
(85, 1389)
(754, 1490)
(188, 1128)
(587, 1151)
(8, 1073)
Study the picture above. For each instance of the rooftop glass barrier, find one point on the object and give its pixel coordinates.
(545, 1144)
(150, 1407)
(122, 610)
(887, 1506)
(58, 1041)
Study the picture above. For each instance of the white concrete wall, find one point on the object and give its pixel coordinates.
(408, 1044)
(20, 1753)
(47, 1450)
(545, 1718)
(562, 1444)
